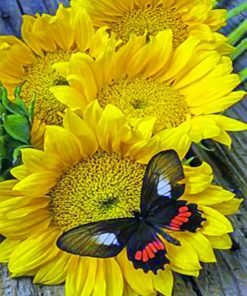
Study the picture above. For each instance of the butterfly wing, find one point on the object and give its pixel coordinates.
(146, 250)
(161, 182)
(177, 216)
(101, 239)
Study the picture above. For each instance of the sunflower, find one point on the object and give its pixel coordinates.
(182, 89)
(47, 39)
(91, 170)
(148, 17)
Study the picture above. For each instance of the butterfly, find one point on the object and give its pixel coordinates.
(143, 234)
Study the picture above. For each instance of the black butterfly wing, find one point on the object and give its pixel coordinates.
(101, 239)
(162, 181)
(177, 216)
(146, 250)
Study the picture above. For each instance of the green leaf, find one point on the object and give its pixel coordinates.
(11, 107)
(17, 126)
(18, 101)
(3, 151)
(31, 108)
(2, 131)
(2, 110)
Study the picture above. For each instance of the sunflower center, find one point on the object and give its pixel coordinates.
(104, 186)
(151, 19)
(140, 98)
(39, 77)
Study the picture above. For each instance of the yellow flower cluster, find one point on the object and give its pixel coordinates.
(117, 83)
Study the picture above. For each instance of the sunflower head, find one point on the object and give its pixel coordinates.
(47, 39)
(181, 89)
(147, 18)
(90, 170)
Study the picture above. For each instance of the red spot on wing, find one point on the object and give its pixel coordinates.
(158, 245)
(185, 214)
(138, 255)
(152, 247)
(183, 209)
(145, 257)
(182, 219)
(177, 222)
(149, 252)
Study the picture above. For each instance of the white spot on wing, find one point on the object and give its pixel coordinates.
(164, 187)
(106, 239)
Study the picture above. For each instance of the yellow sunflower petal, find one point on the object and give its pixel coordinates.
(211, 195)
(203, 127)
(200, 244)
(69, 97)
(85, 81)
(27, 225)
(145, 127)
(36, 160)
(37, 133)
(63, 145)
(81, 276)
(114, 278)
(110, 122)
(183, 256)
(20, 172)
(100, 283)
(220, 242)
(223, 138)
(92, 114)
(6, 248)
(139, 281)
(198, 70)
(33, 252)
(177, 269)
(82, 131)
(21, 206)
(125, 53)
(228, 207)
(53, 272)
(6, 188)
(163, 281)
(143, 150)
(228, 124)
(216, 224)
(217, 18)
(101, 40)
(37, 184)
(197, 178)
(222, 103)
(176, 138)
(181, 58)
(82, 20)
(142, 62)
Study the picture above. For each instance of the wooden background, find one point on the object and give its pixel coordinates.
(229, 276)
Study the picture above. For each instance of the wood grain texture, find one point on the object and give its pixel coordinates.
(229, 276)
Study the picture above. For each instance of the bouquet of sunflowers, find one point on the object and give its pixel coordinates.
(100, 105)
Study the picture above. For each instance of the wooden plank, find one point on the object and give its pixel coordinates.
(49, 6)
(10, 19)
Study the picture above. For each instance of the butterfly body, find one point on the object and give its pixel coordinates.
(144, 233)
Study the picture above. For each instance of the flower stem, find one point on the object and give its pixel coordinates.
(236, 10)
(241, 48)
(238, 33)
(243, 74)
